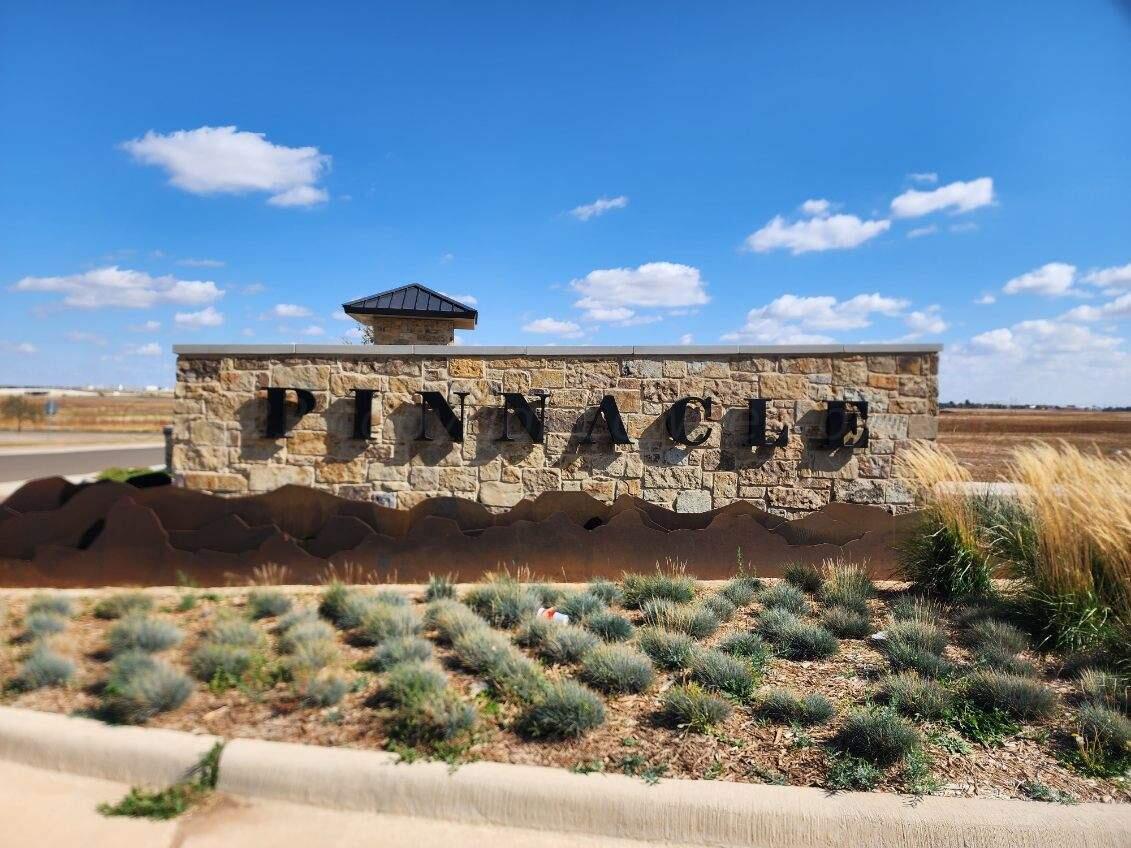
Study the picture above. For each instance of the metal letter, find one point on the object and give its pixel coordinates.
(841, 422)
(609, 411)
(675, 421)
(756, 427)
(439, 405)
(532, 423)
(277, 409)
(362, 413)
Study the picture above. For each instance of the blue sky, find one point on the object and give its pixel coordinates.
(592, 174)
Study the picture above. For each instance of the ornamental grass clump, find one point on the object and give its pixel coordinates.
(451, 619)
(721, 606)
(880, 737)
(918, 634)
(384, 621)
(548, 595)
(321, 689)
(794, 639)
(231, 648)
(608, 625)
(502, 601)
(577, 605)
(304, 632)
(123, 604)
(309, 657)
(944, 555)
(784, 596)
(59, 605)
(917, 608)
(409, 682)
(1018, 697)
(1069, 539)
(616, 669)
(669, 583)
(344, 605)
(400, 649)
(695, 620)
(490, 655)
(993, 636)
(1105, 732)
(915, 696)
(440, 587)
(781, 706)
(566, 644)
(723, 673)
(40, 625)
(437, 719)
(607, 590)
(749, 646)
(139, 686)
(138, 633)
(42, 668)
(806, 576)
(741, 591)
(846, 623)
(846, 586)
(565, 710)
(1106, 689)
(267, 603)
(904, 656)
(668, 650)
(690, 707)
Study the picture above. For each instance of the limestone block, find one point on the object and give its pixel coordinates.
(460, 367)
(799, 499)
(313, 377)
(790, 386)
(353, 471)
(694, 500)
(264, 478)
(500, 494)
(205, 481)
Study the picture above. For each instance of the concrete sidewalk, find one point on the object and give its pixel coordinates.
(51, 809)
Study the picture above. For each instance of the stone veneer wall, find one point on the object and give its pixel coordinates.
(385, 330)
(220, 415)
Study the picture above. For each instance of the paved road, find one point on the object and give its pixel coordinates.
(47, 809)
(51, 462)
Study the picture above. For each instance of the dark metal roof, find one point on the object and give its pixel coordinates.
(411, 301)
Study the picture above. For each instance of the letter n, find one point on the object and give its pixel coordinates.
(611, 413)
(533, 423)
(443, 410)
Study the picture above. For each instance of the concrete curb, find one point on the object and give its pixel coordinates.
(680, 811)
(149, 757)
(534, 797)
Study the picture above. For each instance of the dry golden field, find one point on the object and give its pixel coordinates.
(124, 413)
(983, 439)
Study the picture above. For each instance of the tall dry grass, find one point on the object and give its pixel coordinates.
(1079, 505)
(933, 472)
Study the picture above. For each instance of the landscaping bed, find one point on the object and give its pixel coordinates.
(658, 676)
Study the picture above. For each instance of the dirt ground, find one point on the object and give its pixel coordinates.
(982, 439)
(741, 749)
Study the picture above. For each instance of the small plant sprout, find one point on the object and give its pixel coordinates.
(267, 603)
(692, 708)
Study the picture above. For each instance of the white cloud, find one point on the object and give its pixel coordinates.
(254, 288)
(1116, 309)
(985, 300)
(1113, 278)
(313, 330)
(923, 177)
(84, 337)
(790, 319)
(466, 299)
(151, 349)
(121, 287)
(598, 207)
(963, 227)
(288, 310)
(446, 258)
(553, 327)
(223, 160)
(817, 208)
(201, 263)
(1053, 279)
(686, 339)
(611, 294)
(823, 232)
(340, 315)
(919, 232)
(957, 197)
(247, 332)
(928, 321)
(207, 317)
(22, 348)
